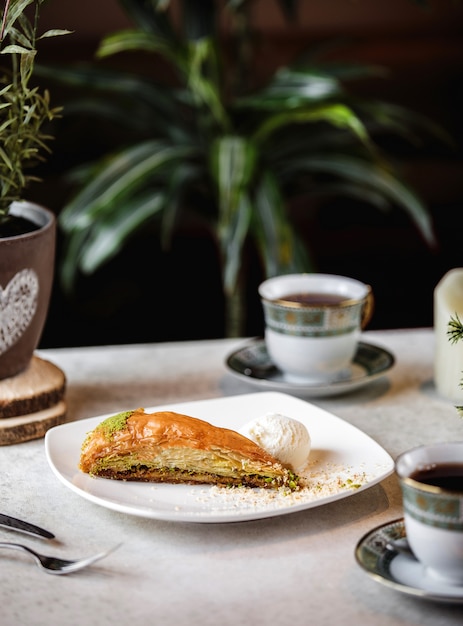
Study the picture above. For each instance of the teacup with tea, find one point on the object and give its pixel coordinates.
(431, 480)
(313, 323)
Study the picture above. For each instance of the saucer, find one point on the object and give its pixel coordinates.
(399, 571)
(252, 364)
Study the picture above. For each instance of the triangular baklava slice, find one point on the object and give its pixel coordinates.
(170, 447)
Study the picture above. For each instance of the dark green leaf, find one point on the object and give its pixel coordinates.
(279, 247)
(337, 115)
(290, 89)
(108, 235)
(348, 189)
(233, 161)
(232, 240)
(203, 81)
(125, 174)
(402, 121)
(183, 177)
(378, 178)
(136, 40)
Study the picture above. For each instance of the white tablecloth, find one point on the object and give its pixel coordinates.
(296, 569)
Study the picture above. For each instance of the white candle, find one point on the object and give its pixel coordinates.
(448, 357)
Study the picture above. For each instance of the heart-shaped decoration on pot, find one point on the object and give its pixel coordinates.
(18, 304)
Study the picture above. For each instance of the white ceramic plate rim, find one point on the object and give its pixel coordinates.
(336, 440)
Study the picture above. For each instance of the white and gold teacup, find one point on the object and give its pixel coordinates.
(431, 479)
(313, 323)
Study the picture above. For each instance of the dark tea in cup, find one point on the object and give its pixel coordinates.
(448, 476)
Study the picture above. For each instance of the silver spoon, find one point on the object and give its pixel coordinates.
(54, 565)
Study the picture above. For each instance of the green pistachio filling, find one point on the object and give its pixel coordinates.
(111, 425)
(140, 463)
(114, 424)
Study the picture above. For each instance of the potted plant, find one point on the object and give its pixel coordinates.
(226, 148)
(27, 230)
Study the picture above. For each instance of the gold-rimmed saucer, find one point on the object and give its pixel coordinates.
(251, 363)
(376, 555)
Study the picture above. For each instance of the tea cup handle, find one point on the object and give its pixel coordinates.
(368, 308)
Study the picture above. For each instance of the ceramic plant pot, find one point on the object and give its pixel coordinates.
(26, 279)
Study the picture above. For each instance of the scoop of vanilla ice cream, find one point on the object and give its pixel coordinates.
(285, 438)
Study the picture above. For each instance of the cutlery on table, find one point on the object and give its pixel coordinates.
(25, 527)
(55, 565)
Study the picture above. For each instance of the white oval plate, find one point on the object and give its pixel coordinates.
(343, 461)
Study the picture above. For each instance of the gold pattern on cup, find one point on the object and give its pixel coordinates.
(368, 308)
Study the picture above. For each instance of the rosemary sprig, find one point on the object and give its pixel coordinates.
(25, 110)
(455, 329)
(455, 334)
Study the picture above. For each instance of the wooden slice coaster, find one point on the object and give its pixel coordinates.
(31, 426)
(40, 386)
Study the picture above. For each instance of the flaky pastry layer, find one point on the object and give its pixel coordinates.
(171, 447)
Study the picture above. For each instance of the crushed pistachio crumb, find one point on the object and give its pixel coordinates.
(314, 483)
(114, 423)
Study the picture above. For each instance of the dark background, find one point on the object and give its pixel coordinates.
(146, 294)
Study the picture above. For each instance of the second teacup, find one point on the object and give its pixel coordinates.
(431, 479)
(313, 323)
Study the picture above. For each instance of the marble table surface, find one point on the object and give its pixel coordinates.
(294, 569)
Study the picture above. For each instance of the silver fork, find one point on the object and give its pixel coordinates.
(54, 565)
